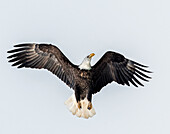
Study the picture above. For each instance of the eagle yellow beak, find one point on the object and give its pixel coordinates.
(91, 55)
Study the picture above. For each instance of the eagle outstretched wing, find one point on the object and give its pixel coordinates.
(115, 67)
(44, 56)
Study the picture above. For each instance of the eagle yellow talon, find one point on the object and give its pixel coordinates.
(79, 105)
(89, 107)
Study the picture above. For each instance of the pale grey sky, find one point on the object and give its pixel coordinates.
(32, 101)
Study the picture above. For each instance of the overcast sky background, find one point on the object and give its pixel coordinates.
(32, 101)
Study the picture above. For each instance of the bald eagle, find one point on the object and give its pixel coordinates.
(84, 79)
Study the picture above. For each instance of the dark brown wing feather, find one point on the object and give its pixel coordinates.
(44, 56)
(115, 67)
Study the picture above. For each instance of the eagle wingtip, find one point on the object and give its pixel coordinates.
(23, 45)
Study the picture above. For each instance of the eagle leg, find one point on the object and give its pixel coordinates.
(89, 98)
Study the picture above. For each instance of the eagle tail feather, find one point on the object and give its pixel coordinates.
(79, 112)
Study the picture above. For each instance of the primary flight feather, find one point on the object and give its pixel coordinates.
(84, 79)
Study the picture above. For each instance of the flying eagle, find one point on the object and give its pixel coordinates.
(84, 79)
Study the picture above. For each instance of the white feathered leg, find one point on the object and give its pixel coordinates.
(80, 112)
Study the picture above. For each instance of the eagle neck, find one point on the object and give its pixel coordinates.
(86, 65)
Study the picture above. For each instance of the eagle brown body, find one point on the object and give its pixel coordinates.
(84, 79)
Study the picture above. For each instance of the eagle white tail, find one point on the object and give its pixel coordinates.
(83, 111)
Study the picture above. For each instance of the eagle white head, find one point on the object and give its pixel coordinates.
(86, 64)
